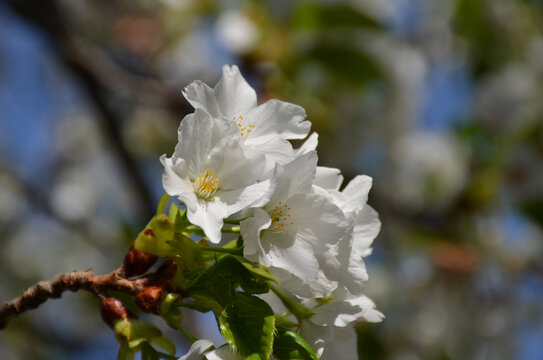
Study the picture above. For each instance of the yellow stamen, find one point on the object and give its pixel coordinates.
(206, 185)
(279, 215)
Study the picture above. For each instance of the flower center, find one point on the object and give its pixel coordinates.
(206, 185)
(281, 218)
(244, 129)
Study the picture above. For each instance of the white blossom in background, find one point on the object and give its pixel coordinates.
(264, 128)
(211, 174)
(289, 232)
(236, 31)
(431, 168)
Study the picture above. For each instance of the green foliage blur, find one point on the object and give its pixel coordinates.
(439, 101)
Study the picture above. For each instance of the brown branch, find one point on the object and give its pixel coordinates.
(74, 281)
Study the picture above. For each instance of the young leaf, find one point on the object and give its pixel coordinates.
(153, 240)
(248, 326)
(220, 281)
(289, 345)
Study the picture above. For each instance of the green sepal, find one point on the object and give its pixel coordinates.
(300, 311)
(148, 353)
(133, 331)
(164, 343)
(135, 335)
(178, 217)
(248, 325)
(125, 353)
(162, 203)
(154, 238)
(169, 309)
(289, 345)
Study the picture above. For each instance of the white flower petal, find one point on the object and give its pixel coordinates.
(209, 216)
(276, 150)
(315, 335)
(234, 167)
(310, 144)
(366, 228)
(250, 231)
(341, 345)
(198, 136)
(318, 220)
(290, 253)
(175, 181)
(234, 95)
(223, 353)
(197, 350)
(277, 118)
(328, 178)
(356, 193)
(201, 96)
(252, 195)
(320, 287)
(296, 177)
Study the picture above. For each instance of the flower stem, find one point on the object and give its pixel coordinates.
(300, 311)
(185, 332)
(165, 356)
(232, 221)
(235, 251)
(196, 230)
(233, 230)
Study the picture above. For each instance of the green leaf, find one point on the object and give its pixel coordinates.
(220, 281)
(533, 209)
(257, 269)
(162, 203)
(347, 64)
(290, 345)
(320, 16)
(248, 326)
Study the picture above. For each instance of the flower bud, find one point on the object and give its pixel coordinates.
(137, 262)
(149, 299)
(113, 309)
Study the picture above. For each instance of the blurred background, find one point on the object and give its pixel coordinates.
(439, 101)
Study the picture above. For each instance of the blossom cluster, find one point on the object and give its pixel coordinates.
(235, 162)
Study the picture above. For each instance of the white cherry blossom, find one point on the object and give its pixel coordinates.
(266, 128)
(330, 331)
(212, 174)
(341, 264)
(198, 350)
(295, 225)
